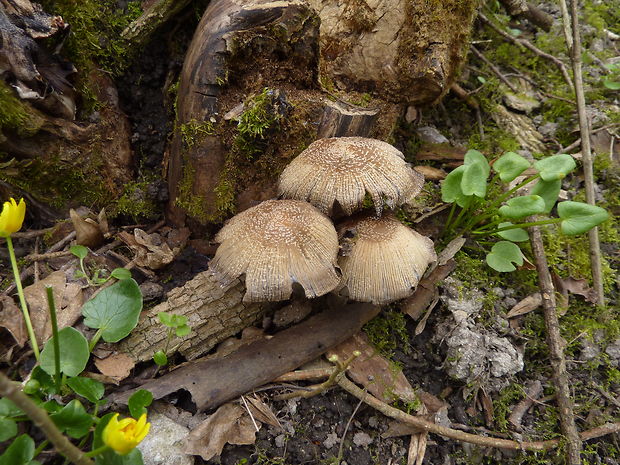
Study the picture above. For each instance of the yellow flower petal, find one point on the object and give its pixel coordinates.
(124, 435)
(12, 217)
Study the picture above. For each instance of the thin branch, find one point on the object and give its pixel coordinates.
(495, 69)
(556, 350)
(40, 418)
(586, 153)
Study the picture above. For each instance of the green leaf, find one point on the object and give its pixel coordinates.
(555, 167)
(172, 320)
(503, 255)
(549, 191)
(79, 251)
(183, 330)
(474, 180)
(580, 217)
(514, 235)
(91, 389)
(9, 409)
(525, 205)
(8, 428)
(165, 319)
(74, 353)
(451, 188)
(612, 85)
(510, 165)
(20, 452)
(160, 358)
(114, 310)
(481, 79)
(45, 380)
(138, 402)
(73, 419)
(473, 157)
(121, 273)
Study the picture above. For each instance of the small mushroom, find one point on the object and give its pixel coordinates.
(344, 169)
(276, 243)
(382, 259)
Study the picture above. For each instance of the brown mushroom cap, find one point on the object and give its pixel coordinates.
(276, 243)
(344, 169)
(384, 260)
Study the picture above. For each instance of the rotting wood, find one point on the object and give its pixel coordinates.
(214, 313)
(214, 381)
(341, 119)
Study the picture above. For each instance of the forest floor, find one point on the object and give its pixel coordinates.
(480, 369)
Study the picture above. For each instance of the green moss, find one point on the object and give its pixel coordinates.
(193, 131)
(387, 332)
(258, 120)
(503, 405)
(135, 202)
(192, 204)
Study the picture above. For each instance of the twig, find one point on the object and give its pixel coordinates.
(556, 346)
(586, 153)
(346, 428)
(533, 393)
(495, 69)
(527, 44)
(40, 418)
(36, 257)
(426, 425)
(576, 144)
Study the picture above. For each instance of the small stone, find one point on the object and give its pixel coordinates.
(163, 444)
(430, 135)
(362, 439)
(524, 101)
(331, 440)
(280, 440)
(151, 291)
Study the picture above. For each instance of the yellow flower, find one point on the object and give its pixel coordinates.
(123, 436)
(12, 217)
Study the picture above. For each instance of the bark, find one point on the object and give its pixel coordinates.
(384, 56)
(214, 314)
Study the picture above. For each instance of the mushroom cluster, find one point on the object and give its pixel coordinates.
(281, 242)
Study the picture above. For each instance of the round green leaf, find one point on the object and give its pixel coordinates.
(182, 330)
(473, 157)
(8, 428)
(20, 452)
(549, 191)
(520, 207)
(160, 358)
(510, 165)
(165, 319)
(555, 167)
(474, 180)
(121, 273)
(9, 409)
(612, 85)
(79, 251)
(91, 389)
(74, 353)
(138, 402)
(114, 310)
(578, 217)
(514, 235)
(73, 419)
(451, 188)
(503, 255)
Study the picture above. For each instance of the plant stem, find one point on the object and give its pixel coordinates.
(97, 451)
(54, 320)
(39, 449)
(450, 215)
(517, 226)
(22, 299)
(95, 340)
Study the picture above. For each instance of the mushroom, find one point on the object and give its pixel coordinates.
(344, 169)
(382, 260)
(276, 243)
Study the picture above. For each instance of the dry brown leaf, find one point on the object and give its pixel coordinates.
(262, 412)
(440, 152)
(526, 305)
(155, 250)
(426, 293)
(450, 250)
(373, 371)
(430, 173)
(117, 366)
(87, 231)
(579, 287)
(229, 424)
(12, 319)
(68, 299)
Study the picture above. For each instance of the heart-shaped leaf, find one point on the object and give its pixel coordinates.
(578, 217)
(79, 251)
(8, 428)
(451, 188)
(74, 353)
(555, 166)
(474, 180)
(73, 419)
(138, 402)
(503, 255)
(114, 310)
(514, 235)
(473, 157)
(520, 207)
(121, 273)
(91, 389)
(20, 452)
(510, 165)
(549, 191)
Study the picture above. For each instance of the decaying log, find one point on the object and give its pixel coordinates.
(341, 119)
(214, 313)
(214, 381)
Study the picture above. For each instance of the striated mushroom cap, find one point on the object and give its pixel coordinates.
(344, 169)
(384, 259)
(276, 243)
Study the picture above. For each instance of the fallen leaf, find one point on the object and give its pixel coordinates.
(579, 287)
(450, 250)
(12, 319)
(526, 305)
(117, 366)
(262, 411)
(229, 424)
(155, 250)
(68, 298)
(430, 173)
(426, 292)
(373, 371)
(87, 231)
(440, 152)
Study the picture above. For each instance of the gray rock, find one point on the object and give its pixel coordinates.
(523, 101)
(548, 129)
(331, 440)
(589, 350)
(430, 135)
(362, 439)
(613, 350)
(163, 444)
(151, 291)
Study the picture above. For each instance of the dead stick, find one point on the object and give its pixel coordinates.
(533, 393)
(494, 68)
(586, 152)
(556, 349)
(39, 417)
(425, 425)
